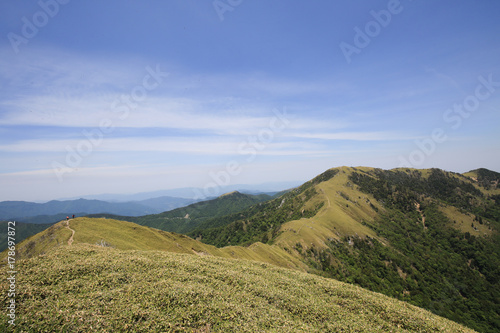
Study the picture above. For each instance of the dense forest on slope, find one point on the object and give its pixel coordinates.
(398, 189)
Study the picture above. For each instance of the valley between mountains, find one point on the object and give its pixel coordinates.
(354, 249)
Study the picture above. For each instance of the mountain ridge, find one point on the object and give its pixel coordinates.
(381, 229)
(25, 211)
(428, 237)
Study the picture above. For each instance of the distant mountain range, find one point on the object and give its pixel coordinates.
(193, 193)
(139, 204)
(56, 210)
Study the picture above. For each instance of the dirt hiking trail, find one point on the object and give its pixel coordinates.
(70, 240)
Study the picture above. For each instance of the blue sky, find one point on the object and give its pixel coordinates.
(132, 96)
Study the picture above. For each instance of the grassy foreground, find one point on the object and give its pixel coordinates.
(85, 288)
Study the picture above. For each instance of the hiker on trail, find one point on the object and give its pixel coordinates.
(73, 215)
(67, 218)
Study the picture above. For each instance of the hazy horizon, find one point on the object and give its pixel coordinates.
(213, 190)
(142, 96)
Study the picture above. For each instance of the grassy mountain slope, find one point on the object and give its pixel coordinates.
(261, 222)
(84, 288)
(130, 236)
(345, 212)
(425, 236)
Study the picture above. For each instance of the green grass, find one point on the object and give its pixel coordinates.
(88, 288)
(341, 215)
(463, 222)
(130, 236)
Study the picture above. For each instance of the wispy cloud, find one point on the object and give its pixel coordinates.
(356, 136)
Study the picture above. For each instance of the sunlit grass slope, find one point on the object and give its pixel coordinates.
(130, 236)
(343, 212)
(89, 288)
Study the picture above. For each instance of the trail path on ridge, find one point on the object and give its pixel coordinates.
(327, 198)
(70, 240)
